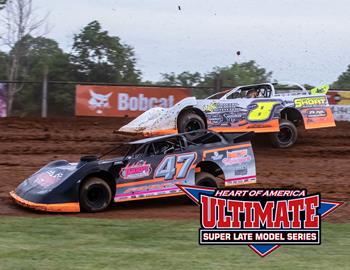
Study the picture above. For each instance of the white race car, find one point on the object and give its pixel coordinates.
(267, 107)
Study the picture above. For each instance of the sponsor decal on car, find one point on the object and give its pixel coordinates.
(215, 119)
(312, 113)
(136, 170)
(224, 114)
(263, 219)
(48, 178)
(241, 170)
(234, 116)
(217, 156)
(236, 157)
(210, 107)
(310, 101)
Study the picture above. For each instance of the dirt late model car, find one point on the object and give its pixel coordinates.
(273, 108)
(151, 168)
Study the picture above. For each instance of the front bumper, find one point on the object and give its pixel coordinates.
(55, 207)
(150, 133)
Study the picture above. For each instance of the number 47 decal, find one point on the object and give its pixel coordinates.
(175, 166)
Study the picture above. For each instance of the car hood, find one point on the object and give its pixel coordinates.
(140, 124)
(47, 178)
(157, 118)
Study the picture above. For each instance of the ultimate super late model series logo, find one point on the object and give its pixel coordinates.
(263, 219)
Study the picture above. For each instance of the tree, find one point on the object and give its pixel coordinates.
(343, 81)
(99, 57)
(185, 78)
(2, 3)
(44, 54)
(238, 74)
(229, 76)
(234, 75)
(4, 58)
(19, 21)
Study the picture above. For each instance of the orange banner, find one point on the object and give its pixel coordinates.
(131, 101)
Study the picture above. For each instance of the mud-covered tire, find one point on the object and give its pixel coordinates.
(95, 195)
(190, 122)
(286, 137)
(205, 179)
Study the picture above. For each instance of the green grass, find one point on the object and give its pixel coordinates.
(78, 243)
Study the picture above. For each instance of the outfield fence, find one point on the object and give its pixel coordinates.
(65, 98)
(57, 98)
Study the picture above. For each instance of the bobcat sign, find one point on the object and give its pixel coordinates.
(131, 101)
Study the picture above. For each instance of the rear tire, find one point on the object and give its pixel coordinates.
(190, 122)
(205, 179)
(95, 195)
(286, 137)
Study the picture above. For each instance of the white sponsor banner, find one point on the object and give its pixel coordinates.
(341, 112)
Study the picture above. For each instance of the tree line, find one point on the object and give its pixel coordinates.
(95, 56)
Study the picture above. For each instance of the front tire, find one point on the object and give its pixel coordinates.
(95, 195)
(189, 122)
(286, 137)
(205, 179)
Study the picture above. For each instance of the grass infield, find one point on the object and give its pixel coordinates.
(80, 243)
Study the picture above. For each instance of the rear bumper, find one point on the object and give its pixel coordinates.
(55, 207)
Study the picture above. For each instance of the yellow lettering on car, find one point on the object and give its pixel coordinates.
(262, 112)
(311, 101)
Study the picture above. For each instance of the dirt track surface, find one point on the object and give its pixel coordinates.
(319, 162)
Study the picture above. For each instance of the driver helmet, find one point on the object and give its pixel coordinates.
(252, 93)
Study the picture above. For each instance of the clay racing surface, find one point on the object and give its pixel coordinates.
(319, 162)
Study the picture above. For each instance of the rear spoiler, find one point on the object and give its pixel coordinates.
(238, 137)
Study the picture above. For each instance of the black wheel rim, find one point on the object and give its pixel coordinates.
(193, 125)
(285, 135)
(97, 196)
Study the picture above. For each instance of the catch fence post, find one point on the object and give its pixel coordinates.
(44, 94)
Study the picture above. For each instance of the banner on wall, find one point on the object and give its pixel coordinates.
(341, 112)
(3, 101)
(340, 104)
(131, 101)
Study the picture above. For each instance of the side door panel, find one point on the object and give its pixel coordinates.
(165, 172)
(242, 114)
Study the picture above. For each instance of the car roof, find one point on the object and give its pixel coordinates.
(169, 136)
(252, 85)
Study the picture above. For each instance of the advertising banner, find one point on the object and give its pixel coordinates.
(131, 101)
(3, 103)
(341, 112)
(340, 104)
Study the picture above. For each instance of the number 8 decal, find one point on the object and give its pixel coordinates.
(262, 112)
(169, 169)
